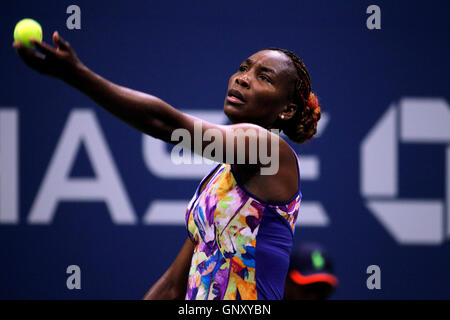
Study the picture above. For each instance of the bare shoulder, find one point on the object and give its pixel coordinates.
(280, 182)
(286, 181)
(288, 162)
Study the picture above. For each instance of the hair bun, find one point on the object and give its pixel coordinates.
(313, 103)
(303, 127)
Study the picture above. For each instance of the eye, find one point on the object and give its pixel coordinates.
(242, 68)
(265, 78)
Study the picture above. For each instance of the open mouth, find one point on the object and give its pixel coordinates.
(234, 96)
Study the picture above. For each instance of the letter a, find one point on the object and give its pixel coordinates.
(374, 20)
(74, 20)
(82, 127)
(374, 281)
(74, 281)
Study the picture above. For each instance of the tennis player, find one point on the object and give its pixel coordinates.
(240, 221)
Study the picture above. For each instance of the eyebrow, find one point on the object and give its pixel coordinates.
(265, 69)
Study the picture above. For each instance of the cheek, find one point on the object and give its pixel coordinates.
(231, 81)
(270, 99)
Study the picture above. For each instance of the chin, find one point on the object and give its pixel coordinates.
(231, 113)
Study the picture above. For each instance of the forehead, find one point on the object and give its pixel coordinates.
(272, 59)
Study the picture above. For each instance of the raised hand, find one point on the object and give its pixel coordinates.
(60, 62)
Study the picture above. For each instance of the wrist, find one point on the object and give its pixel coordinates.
(75, 74)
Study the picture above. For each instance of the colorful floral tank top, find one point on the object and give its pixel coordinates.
(243, 243)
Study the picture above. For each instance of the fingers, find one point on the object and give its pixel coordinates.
(43, 47)
(30, 57)
(60, 42)
(16, 45)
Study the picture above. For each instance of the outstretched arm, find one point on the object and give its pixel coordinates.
(173, 283)
(142, 111)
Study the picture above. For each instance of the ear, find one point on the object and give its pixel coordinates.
(288, 112)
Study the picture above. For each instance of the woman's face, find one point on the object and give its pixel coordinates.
(261, 88)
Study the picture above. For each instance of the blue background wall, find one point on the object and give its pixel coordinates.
(184, 52)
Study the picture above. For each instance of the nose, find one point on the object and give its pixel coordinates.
(243, 80)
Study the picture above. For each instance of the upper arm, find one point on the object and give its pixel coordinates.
(242, 143)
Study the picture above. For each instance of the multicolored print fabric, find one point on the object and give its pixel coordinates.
(223, 221)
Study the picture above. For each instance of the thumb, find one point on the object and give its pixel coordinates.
(59, 41)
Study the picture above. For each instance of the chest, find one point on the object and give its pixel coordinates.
(267, 188)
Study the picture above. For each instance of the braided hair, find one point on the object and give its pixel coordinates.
(302, 126)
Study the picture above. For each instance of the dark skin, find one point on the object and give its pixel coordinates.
(265, 84)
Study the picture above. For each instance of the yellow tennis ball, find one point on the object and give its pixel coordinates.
(25, 30)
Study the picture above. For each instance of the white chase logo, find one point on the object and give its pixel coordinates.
(409, 221)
